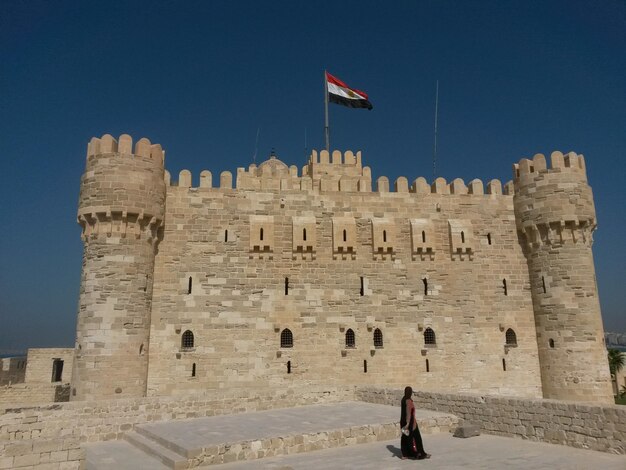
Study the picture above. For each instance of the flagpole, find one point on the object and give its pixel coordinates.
(435, 147)
(326, 128)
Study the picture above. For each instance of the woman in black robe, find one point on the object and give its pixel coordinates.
(411, 440)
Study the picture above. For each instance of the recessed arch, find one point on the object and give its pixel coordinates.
(429, 337)
(187, 340)
(510, 337)
(378, 338)
(286, 338)
(350, 339)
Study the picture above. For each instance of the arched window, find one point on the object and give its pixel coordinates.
(510, 337)
(462, 237)
(186, 341)
(190, 285)
(423, 237)
(261, 234)
(286, 338)
(429, 337)
(385, 236)
(378, 338)
(286, 286)
(303, 234)
(489, 238)
(226, 235)
(551, 343)
(350, 339)
(425, 281)
(506, 290)
(345, 236)
(193, 369)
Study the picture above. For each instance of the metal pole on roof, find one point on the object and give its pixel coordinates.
(436, 116)
(326, 127)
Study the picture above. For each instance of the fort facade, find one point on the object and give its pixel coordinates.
(322, 276)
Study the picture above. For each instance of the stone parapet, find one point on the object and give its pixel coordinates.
(34, 435)
(33, 393)
(575, 424)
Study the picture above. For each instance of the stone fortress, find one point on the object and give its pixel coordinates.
(320, 275)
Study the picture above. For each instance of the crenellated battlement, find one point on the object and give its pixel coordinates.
(335, 158)
(559, 161)
(555, 204)
(122, 191)
(108, 144)
(332, 172)
(303, 270)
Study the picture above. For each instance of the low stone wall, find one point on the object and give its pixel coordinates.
(50, 435)
(256, 449)
(574, 424)
(32, 393)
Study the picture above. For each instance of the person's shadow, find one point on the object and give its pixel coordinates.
(395, 451)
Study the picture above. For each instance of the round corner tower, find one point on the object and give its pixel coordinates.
(555, 216)
(121, 209)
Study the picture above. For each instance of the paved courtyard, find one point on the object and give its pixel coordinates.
(482, 452)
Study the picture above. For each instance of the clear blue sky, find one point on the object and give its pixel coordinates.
(516, 78)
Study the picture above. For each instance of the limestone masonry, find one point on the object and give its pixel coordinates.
(317, 276)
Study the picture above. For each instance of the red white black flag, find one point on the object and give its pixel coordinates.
(340, 93)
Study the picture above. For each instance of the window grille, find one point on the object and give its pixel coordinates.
(286, 338)
(430, 337)
(510, 337)
(186, 341)
(378, 338)
(350, 338)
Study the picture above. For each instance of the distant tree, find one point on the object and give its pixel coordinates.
(616, 361)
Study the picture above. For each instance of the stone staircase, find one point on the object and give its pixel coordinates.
(221, 439)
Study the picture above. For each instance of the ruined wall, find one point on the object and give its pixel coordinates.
(423, 256)
(37, 385)
(41, 364)
(12, 370)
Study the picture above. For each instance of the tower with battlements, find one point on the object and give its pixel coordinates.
(556, 217)
(121, 209)
(322, 275)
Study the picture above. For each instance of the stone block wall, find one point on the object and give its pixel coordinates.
(12, 370)
(51, 434)
(367, 270)
(40, 364)
(582, 425)
(121, 206)
(30, 393)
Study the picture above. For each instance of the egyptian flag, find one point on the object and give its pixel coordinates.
(340, 93)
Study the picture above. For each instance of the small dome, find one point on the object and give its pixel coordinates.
(273, 167)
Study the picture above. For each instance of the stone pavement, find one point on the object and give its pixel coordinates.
(450, 453)
(247, 436)
(333, 436)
